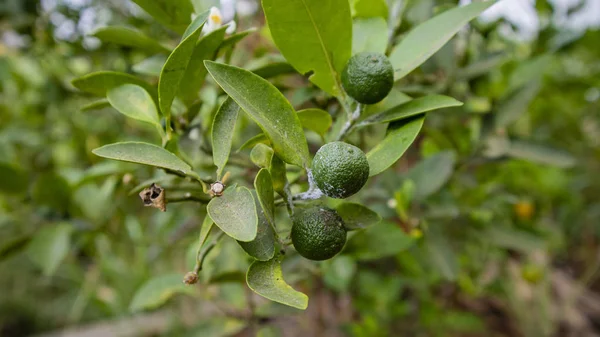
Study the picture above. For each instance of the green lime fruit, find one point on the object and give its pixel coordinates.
(368, 77)
(318, 233)
(340, 169)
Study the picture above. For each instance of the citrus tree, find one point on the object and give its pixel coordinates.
(405, 167)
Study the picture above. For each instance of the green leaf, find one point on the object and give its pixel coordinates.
(129, 37)
(177, 65)
(375, 242)
(14, 246)
(235, 213)
(100, 82)
(514, 239)
(133, 101)
(263, 184)
(314, 36)
(266, 279)
(13, 179)
(150, 66)
(261, 155)
(338, 273)
(175, 14)
(369, 35)
(369, 9)
(400, 135)
(222, 133)
(441, 255)
(206, 49)
(205, 229)
(233, 39)
(427, 38)
(412, 108)
(482, 67)
(50, 246)
(278, 176)
(515, 105)
(262, 247)
(52, 190)
(430, 175)
(357, 216)
(96, 105)
(157, 291)
(267, 107)
(316, 120)
(270, 66)
(258, 139)
(530, 71)
(540, 154)
(143, 153)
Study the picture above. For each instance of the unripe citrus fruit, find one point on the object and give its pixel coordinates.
(318, 233)
(368, 77)
(340, 169)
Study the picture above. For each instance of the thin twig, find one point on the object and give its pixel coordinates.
(202, 200)
(202, 256)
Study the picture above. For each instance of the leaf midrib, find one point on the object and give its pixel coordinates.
(329, 61)
(281, 136)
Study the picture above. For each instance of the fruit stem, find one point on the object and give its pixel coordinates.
(352, 118)
(313, 191)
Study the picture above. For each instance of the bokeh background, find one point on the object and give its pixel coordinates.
(492, 218)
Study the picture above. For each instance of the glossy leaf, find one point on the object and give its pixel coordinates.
(100, 82)
(261, 155)
(263, 184)
(205, 229)
(272, 69)
(316, 120)
(129, 37)
(262, 247)
(96, 105)
(412, 108)
(176, 65)
(314, 36)
(278, 175)
(13, 179)
(174, 14)
(50, 246)
(267, 107)
(427, 38)
(430, 175)
(157, 291)
(235, 213)
(400, 135)
(369, 9)
(375, 242)
(222, 133)
(143, 153)
(150, 66)
(134, 102)
(357, 216)
(540, 154)
(369, 35)
(233, 39)
(194, 76)
(266, 279)
(250, 143)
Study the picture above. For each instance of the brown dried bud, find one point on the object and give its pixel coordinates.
(154, 196)
(217, 188)
(190, 278)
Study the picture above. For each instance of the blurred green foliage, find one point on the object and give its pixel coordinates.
(490, 219)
